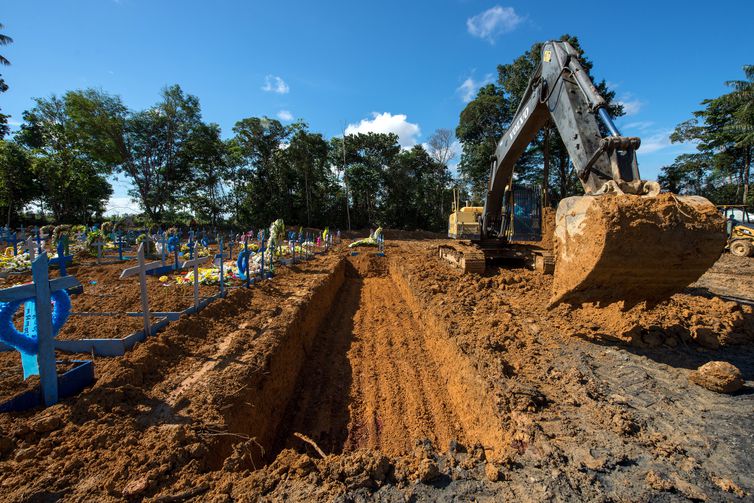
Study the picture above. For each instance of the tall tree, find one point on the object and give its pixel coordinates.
(4, 40)
(441, 147)
(17, 183)
(710, 129)
(483, 121)
(146, 146)
(307, 155)
(411, 182)
(742, 126)
(262, 195)
(72, 183)
(368, 156)
(205, 156)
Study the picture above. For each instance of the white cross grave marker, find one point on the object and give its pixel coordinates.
(195, 262)
(141, 270)
(99, 244)
(31, 248)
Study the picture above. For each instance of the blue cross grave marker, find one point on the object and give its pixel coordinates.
(62, 259)
(42, 322)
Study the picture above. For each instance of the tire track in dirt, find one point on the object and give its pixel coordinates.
(370, 381)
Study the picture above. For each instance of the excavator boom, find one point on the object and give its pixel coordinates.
(622, 240)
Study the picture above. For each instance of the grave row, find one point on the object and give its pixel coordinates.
(37, 343)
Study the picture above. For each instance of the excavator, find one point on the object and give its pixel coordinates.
(623, 240)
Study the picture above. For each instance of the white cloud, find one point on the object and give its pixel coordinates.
(274, 84)
(121, 206)
(638, 126)
(654, 142)
(468, 89)
(285, 115)
(493, 22)
(388, 123)
(630, 104)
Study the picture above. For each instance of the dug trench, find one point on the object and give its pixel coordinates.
(363, 367)
(415, 382)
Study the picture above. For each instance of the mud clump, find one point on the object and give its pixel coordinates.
(720, 377)
(632, 248)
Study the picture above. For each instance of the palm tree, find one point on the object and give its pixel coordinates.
(742, 99)
(4, 40)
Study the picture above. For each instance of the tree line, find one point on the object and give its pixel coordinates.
(719, 168)
(181, 169)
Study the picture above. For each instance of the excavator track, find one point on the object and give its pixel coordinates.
(463, 255)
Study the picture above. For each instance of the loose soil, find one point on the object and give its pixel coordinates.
(397, 378)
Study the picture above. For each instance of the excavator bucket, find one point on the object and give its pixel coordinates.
(620, 247)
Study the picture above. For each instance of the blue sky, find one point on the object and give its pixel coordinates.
(383, 65)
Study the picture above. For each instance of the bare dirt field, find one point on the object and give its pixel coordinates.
(396, 378)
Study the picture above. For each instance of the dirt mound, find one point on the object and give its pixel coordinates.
(630, 248)
(548, 228)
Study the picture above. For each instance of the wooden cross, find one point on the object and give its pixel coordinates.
(191, 245)
(40, 291)
(195, 262)
(15, 241)
(221, 257)
(99, 244)
(62, 259)
(164, 250)
(141, 270)
(29, 246)
(248, 261)
(120, 248)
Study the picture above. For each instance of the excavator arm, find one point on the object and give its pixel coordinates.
(562, 92)
(622, 241)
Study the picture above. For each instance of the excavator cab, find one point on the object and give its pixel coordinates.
(524, 214)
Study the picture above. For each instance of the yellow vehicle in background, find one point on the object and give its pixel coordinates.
(464, 221)
(739, 228)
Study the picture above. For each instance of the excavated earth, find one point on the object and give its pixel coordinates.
(398, 379)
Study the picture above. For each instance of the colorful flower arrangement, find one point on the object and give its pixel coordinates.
(210, 275)
(18, 263)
